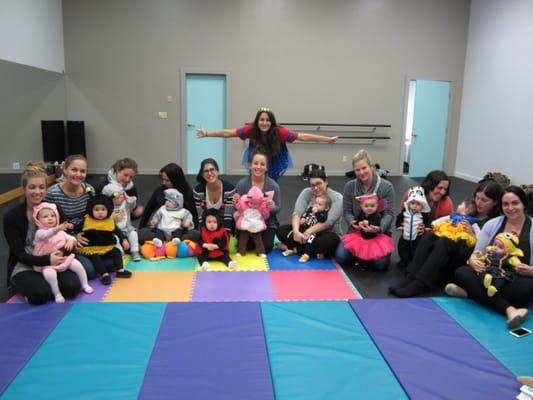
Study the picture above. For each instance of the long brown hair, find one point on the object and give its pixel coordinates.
(269, 143)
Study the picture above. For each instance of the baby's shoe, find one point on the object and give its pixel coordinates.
(176, 241)
(232, 264)
(262, 255)
(304, 258)
(157, 242)
(105, 279)
(288, 252)
(124, 273)
(135, 256)
(491, 290)
(205, 266)
(487, 280)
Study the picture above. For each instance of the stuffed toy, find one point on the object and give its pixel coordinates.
(500, 258)
(250, 215)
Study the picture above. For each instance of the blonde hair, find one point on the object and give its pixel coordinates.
(33, 170)
(362, 155)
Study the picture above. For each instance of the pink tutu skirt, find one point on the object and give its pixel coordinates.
(368, 249)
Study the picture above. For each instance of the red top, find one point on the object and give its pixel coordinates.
(219, 237)
(284, 134)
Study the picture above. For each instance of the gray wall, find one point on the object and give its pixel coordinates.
(27, 95)
(340, 61)
(497, 100)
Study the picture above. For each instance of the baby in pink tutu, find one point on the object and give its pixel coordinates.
(368, 246)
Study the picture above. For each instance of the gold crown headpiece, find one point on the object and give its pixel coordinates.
(265, 109)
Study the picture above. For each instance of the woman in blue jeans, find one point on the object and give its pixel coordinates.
(366, 181)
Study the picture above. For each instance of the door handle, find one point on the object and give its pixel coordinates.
(191, 126)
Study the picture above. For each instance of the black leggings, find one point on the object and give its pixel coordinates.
(98, 261)
(517, 293)
(436, 258)
(268, 240)
(325, 242)
(33, 286)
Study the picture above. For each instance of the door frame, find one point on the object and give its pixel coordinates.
(449, 120)
(183, 72)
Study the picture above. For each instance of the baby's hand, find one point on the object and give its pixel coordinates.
(152, 223)
(185, 223)
(64, 226)
(236, 197)
(125, 244)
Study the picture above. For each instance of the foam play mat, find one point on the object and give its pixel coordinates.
(364, 349)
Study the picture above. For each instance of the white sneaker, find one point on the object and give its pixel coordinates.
(135, 256)
(157, 242)
(176, 241)
(232, 264)
(205, 266)
(262, 255)
(453, 290)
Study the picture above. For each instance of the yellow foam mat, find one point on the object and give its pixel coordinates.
(248, 262)
(152, 286)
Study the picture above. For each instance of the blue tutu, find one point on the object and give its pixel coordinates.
(277, 165)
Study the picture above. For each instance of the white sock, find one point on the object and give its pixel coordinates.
(77, 267)
(50, 276)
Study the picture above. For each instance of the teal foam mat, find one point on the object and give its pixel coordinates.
(320, 350)
(490, 330)
(97, 351)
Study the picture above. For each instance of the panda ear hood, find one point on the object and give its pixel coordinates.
(416, 193)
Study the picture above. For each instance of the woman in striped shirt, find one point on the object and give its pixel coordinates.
(71, 196)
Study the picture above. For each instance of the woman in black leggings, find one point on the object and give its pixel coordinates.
(19, 230)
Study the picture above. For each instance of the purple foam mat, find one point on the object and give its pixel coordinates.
(209, 351)
(98, 294)
(431, 354)
(23, 328)
(233, 286)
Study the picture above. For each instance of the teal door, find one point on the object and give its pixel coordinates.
(430, 122)
(205, 108)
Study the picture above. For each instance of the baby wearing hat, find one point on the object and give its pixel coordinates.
(416, 211)
(171, 221)
(123, 208)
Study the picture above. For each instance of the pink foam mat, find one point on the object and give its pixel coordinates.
(311, 285)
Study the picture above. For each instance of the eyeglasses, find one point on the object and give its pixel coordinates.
(316, 185)
(205, 171)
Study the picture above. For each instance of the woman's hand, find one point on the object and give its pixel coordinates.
(201, 133)
(57, 258)
(524, 269)
(467, 228)
(355, 226)
(69, 245)
(138, 211)
(270, 204)
(298, 237)
(81, 240)
(477, 265)
(118, 216)
(371, 229)
(333, 139)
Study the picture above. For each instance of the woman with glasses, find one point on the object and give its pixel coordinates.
(172, 176)
(327, 234)
(213, 192)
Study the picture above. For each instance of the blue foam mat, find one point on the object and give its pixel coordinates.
(278, 262)
(97, 351)
(23, 329)
(209, 351)
(319, 350)
(431, 354)
(490, 329)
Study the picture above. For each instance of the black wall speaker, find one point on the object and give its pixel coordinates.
(76, 138)
(53, 135)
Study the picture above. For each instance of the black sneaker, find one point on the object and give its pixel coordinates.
(124, 274)
(106, 280)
